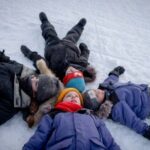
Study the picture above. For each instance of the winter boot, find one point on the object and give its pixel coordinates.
(34, 56)
(82, 22)
(3, 57)
(43, 17)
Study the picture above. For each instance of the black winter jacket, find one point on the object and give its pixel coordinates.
(62, 55)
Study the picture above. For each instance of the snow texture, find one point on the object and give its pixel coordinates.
(117, 33)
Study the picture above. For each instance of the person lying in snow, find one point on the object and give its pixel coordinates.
(69, 126)
(22, 89)
(126, 103)
(62, 53)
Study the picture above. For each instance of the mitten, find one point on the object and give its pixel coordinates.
(3, 57)
(117, 71)
(33, 56)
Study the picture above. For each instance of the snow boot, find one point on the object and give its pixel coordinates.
(43, 17)
(82, 22)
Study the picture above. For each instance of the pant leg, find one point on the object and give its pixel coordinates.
(74, 34)
(49, 33)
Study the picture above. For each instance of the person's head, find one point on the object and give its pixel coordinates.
(41, 87)
(70, 95)
(74, 79)
(93, 98)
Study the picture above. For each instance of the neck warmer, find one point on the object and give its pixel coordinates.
(68, 106)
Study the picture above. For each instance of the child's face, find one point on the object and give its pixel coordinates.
(72, 97)
(71, 70)
(100, 94)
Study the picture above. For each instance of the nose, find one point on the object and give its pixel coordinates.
(73, 96)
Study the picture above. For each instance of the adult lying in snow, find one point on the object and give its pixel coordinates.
(68, 126)
(62, 53)
(22, 89)
(126, 103)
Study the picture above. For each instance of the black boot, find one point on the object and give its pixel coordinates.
(82, 22)
(43, 17)
(34, 56)
(3, 57)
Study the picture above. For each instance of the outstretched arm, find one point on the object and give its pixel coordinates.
(42, 67)
(113, 77)
(40, 137)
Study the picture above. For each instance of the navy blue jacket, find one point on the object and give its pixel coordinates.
(71, 131)
(133, 103)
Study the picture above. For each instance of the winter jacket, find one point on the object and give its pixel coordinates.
(84, 132)
(12, 97)
(8, 73)
(63, 54)
(133, 103)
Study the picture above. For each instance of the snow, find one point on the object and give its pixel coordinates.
(117, 33)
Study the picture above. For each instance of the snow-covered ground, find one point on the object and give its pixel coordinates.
(117, 33)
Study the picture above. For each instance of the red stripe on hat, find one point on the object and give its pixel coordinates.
(70, 76)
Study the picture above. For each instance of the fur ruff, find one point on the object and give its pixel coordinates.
(104, 110)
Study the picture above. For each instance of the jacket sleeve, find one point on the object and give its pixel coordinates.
(12, 67)
(111, 79)
(123, 114)
(40, 137)
(107, 138)
(41, 65)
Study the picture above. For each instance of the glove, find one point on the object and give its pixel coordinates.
(147, 133)
(117, 71)
(33, 56)
(3, 57)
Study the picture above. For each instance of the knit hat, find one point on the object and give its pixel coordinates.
(47, 88)
(75, 80)
(90, 100)
(66, 91)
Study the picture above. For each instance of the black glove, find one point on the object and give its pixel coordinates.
(117, 71)
(147, 133)
(33, 56)
(3, 57)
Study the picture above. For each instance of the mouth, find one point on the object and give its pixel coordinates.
(73, 101)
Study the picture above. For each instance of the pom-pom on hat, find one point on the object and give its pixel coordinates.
(66, 91)
(75, 80)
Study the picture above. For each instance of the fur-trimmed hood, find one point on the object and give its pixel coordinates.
(104, 109)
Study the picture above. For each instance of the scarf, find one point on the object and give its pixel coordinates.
(68, 106)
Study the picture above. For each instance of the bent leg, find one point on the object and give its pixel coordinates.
(74, 34)
(85, 52)
(48, 30)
